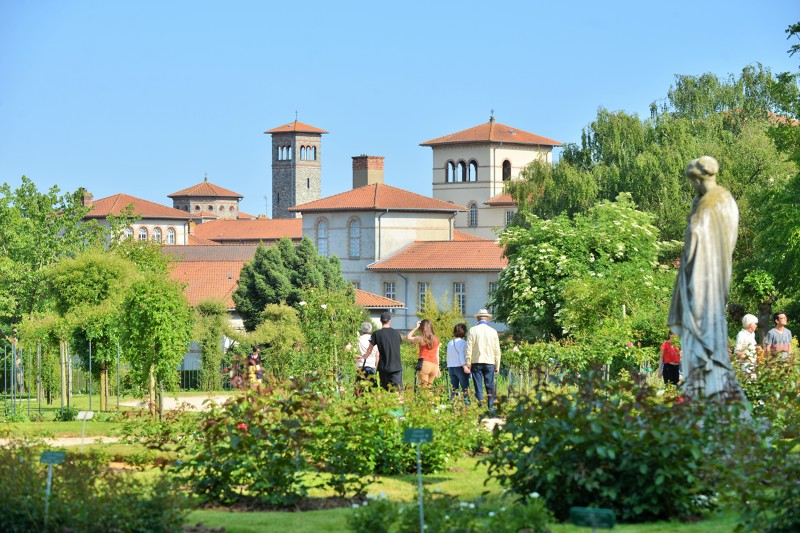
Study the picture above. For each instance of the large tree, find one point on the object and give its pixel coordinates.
(279, 274)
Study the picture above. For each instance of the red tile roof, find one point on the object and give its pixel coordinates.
(503, 198)
(211, 252)
(297, 127)
(242, 215)
(208, 279)
(206, 188)
(371, 300)
(448, 256)
(378, 197)
(258, 229)
(116, 204)
(197, 241)
(492, 132)
(463, 236)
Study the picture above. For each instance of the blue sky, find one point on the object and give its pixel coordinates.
(146, 97)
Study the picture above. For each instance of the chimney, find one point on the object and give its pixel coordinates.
(88, 198)
(367, 169)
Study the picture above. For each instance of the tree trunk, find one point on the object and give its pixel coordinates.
(152, 390)
(104, 387)
(62, 353)
(764, 319)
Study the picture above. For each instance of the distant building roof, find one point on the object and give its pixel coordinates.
(207, 189)
(369, 300)
(296, 127)
(492, 132)
(503, 198)
(197, 241)
(445, 256)
(253, 230)
(117, 204)
(212, 252)
(208, 279)
(459, 235)
(378, 197)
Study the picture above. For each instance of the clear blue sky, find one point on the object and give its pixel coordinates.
(144, 97)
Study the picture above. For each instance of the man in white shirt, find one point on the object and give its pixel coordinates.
(483, 356)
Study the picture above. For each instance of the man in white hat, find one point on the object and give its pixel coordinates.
(483, 356)
(745, 348)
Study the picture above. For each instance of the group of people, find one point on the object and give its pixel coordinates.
(474, 352)
(777, 342)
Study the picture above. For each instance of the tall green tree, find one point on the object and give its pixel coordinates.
(156, 324)
(279, 274)
(210, 325)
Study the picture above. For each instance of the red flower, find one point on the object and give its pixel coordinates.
(679, 399)
(242, 426)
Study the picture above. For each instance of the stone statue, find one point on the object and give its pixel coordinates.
(700, 296)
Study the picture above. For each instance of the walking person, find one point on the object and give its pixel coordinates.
(746, 348)
(779, 339)
(365, 366)
(669, 363)
(387, 341)
(483, 357)
(457, 363)
(428, 344)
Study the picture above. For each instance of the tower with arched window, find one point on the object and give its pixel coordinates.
(472, 166)
(296, 166)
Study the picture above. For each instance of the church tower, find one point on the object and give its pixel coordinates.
(296, 167)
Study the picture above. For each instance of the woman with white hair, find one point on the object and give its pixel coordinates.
(746, 347)
(365, 366)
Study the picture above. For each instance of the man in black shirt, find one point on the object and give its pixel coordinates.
(387, 339)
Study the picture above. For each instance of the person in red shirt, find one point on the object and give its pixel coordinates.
(669, 363)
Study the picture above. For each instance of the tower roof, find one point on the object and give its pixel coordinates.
(296, 127)
(206, 188)
(492, 131)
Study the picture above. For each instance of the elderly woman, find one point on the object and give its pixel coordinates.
(746, 347)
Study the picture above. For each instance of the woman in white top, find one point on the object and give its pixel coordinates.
(745, 348)
(457, 362)
(371, 362)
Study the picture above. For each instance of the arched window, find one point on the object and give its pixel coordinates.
(461, 172)
(506, 170)
(449, 172)
(211, 208)
(314, 153)
(170, 235)
(143, 234)
(197, 208)
(230, 209)
(473, 214)
(128, 232)
(322, 237)
(473, 171)
(302, 152)
(157, 235)
(354, 233)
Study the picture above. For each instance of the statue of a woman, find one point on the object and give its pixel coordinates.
(700, 296)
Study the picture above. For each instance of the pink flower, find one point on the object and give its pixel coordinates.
(630, 345)
(242, 426)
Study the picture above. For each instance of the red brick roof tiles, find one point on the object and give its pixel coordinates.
(296, 127)
(492, 132)
(480, 256)
(258, 229)
(207, 189)
(501, 199)
(193, 240)
(459, 235)
(208, 279)
(371, 300)
(211, 252)
(378, 197)
(117, 204)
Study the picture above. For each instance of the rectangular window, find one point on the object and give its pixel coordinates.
(389, 290)
(356, 284)
(492, 288)
(460, 296)
(509, 216)
(422, 288)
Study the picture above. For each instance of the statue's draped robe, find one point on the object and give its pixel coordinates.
(700, 296)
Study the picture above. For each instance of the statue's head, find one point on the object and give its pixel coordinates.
(702, 172)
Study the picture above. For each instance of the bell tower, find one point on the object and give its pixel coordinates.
(296, 167)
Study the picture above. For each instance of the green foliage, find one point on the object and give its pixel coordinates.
(564, 273)
(279, 274)
(211, 318)
(172, 431)
(66, 414)
(279, 335)
(86, 496)
(611, 444)
(443, 316)
(446, 514)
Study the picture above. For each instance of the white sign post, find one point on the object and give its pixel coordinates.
(84, 415)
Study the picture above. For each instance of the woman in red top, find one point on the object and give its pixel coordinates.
(669, 363)
(428, 351)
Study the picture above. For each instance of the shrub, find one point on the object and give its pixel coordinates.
(86, 495)
(171, 431)
(611, 444)
(66, 414)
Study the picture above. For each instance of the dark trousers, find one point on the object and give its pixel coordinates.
(459, 380)
(483, 374)
(391, 379)
(672, 374)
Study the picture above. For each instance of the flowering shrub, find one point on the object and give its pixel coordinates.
(446, 514)
(611, 444)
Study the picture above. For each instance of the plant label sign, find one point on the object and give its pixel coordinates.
(52, 457)
(418, 435)
(592, 517)
(85, 415)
